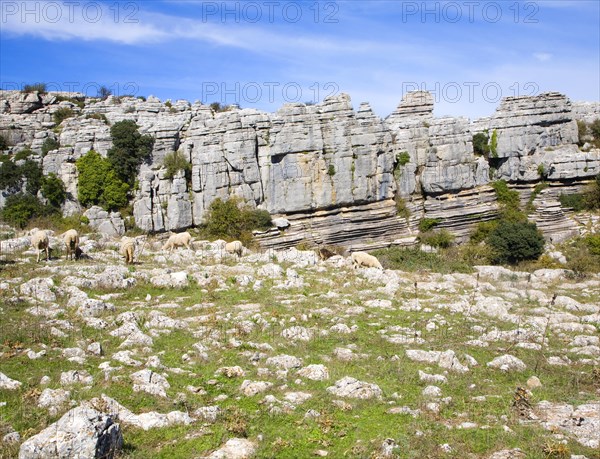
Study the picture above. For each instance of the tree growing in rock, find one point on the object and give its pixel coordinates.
(53, 190)
(130, 149)
(99, 183)
(481, 145)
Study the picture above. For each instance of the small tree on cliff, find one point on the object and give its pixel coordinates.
(130, 149)
(53, 190)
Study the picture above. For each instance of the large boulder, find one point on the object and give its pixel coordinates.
(82, 433)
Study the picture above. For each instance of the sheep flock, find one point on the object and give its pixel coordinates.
(128, 247)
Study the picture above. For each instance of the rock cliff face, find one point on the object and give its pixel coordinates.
(337, 174)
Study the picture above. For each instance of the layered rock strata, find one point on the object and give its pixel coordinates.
(340, 176)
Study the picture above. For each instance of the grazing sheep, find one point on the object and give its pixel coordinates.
(178, 240)
(220, 244)
(71, 239)
(127, 249)
(235, 247)
(39, 241)
(366, 260)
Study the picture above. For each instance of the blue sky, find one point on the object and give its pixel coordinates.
(263, 53)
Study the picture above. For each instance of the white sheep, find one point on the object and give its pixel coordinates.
(219, 244)
(71, 239)
(234, 248)
(178, 240)
(366, 260)
(39, 241)
(127, 249)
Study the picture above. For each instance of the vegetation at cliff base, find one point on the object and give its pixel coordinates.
(231, 220)
(588, 200)
(20, 208)
(513, 242)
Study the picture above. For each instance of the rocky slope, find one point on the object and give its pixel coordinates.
(186, 352)
(334, 172)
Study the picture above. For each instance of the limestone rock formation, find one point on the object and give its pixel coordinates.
(334, 174)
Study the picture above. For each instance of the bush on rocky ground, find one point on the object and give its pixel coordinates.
(231, 219)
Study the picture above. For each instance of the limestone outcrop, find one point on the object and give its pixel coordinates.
(338, 175)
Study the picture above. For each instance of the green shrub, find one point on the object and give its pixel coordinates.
(427, 224)
(536, 191)
(53, 190)
(130, 149)
(593, 243)
(438, 238)
(505, 195)
(592, 194)
(32, 172)
(481, 145)
(49, 144)
(595, 129)
(36, 87)
(509, 202)
(403, 158)
(582, 131)
(482, 231)
(10, 175)
(331, 170)
(217, 107)
(20, 208)
(256, 219)
(401, 207)
(99, 183)
(97, 116)
(542, 172)
(589, 132)
(474, 254)
(92, 169)
(583, 254)
(23, 154)
(74, 100)
(229, 220)
(514, 241)
(62, 114)
(574, 201)
(175, 162)
(114, 195)
(3, 143)
(494, 144)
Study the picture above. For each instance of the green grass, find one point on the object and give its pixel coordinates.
(357, 432)
(413, 259)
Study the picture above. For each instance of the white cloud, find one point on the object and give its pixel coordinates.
(542, 57)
